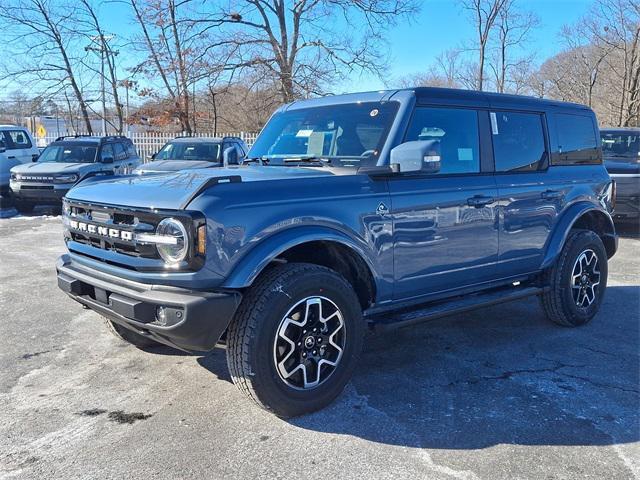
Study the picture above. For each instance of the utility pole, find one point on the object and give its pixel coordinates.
(102, 46)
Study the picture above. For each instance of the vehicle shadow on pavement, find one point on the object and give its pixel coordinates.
(500, 375)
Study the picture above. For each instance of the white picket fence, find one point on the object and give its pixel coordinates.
(148, 143)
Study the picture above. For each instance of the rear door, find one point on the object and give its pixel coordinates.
(444, 225)
(530, 198)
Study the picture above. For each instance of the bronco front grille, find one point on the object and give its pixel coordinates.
(110, 228)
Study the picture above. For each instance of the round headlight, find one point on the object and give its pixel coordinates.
(173, 252)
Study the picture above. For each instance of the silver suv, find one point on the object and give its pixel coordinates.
(66, 162)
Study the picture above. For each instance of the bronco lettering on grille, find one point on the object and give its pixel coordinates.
(101, 230)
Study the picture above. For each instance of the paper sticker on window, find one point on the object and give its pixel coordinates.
(494, 123)
(316, 144)
(304, 133)
(465, 154)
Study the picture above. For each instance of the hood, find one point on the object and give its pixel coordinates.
(619, 165)
(174, 165)
(54, 167)
(175, 190)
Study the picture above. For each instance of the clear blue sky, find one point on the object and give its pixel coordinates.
(443, 25)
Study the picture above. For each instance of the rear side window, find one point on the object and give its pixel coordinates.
(16, 140)
(453, 133)
(120, 152)
(577, 141)
(131, 150)
(518, 141)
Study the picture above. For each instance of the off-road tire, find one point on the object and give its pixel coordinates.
(129, 336)
(558, 302)
(251, 336)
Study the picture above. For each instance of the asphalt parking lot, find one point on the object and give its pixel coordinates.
(496, 394)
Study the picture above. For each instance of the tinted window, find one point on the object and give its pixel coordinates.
(518, 141)
(68, 154)
(107, 152)
(17, 139)
(577, 143)
(131, 150)
(453, 133)
(120, 152)
(622, 146)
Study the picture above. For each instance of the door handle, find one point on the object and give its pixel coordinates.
(551, 194)
(479, 201)
(12, 157)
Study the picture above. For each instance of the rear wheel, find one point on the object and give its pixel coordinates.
(129, 336)
(577, 281)
(296, 338)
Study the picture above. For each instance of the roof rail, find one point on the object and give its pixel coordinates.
(73, 136)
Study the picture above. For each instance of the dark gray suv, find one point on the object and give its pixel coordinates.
(196, 152)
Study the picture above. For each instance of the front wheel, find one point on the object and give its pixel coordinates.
(295, 339)
(577, 282)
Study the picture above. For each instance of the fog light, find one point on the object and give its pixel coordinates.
(161, 316)
(167, 316)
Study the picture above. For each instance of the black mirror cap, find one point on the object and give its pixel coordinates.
(107, 160)
(420, 156)
(153, 157)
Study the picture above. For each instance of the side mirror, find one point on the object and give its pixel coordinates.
(35, 157)
(230, 156)
(107, 160)
(153, 157)
(418, 156)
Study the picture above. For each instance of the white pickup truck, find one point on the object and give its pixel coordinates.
(17, 146)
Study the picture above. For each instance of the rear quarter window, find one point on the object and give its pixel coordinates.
(577, 140)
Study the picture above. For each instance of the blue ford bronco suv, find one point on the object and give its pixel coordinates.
(371, 210)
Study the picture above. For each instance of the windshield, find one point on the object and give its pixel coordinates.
(189, 151)
(623, 145)
(350, 134)
(68, 154)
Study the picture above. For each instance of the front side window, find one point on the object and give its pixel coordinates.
(349, 134)
(577, 141)
(107, 152)
(201, 151)
(17, 139)
(68, 154)
(518, 141)
(453, 134)
(621, 146)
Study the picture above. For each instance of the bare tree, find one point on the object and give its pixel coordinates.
(303, 45)
(484, 14)
(42, 31)
(513, 28)
(172, 38)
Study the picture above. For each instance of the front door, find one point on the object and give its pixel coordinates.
(445, 224)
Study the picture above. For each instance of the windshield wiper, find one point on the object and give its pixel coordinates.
(309, 159)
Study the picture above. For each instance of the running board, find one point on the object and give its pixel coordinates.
(391, 320)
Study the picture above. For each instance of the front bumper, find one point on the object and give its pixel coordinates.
(39, 193)
(195, 320)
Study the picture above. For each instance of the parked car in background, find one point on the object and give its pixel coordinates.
(371, 210)
(66, 162)
(621, 152)
(17, 146)
(196, 152)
